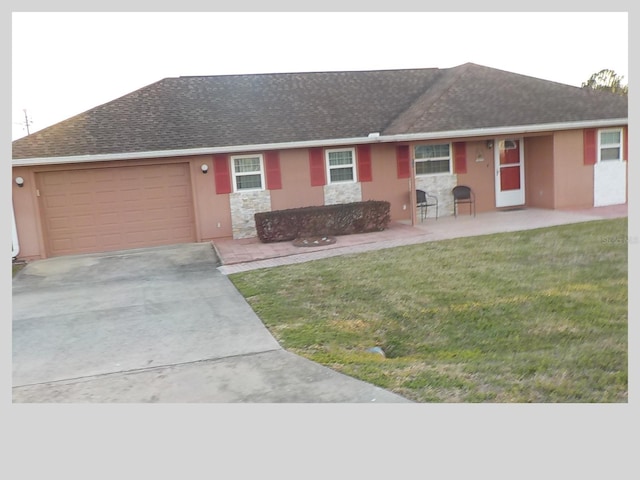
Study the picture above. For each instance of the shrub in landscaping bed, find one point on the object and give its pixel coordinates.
(341, 219)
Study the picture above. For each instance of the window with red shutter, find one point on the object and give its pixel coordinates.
(316, 167)
(460, 157)
(272, 167)
(365, 173)
(222, 176)
(590, 147)
(403, 161)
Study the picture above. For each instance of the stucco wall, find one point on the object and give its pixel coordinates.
(25, 207)
(212, 213)
(385, 184)
(297, 190)
(480, 175)
(539, 171)
(573, 180)
(296, 182)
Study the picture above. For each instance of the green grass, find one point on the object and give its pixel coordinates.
(532, 316)
(16, 267)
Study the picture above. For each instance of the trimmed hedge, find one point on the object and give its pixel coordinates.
(341, 219)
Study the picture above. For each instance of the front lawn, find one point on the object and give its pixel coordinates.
(532, 316)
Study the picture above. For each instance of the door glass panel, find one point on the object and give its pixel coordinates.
(509, 152)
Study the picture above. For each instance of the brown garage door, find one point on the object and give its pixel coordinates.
(103, 209)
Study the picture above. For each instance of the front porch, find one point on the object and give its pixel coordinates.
(250, 253)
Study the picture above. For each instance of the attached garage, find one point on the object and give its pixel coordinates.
(112, 208)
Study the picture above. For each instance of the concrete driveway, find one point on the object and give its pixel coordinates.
(155, 325)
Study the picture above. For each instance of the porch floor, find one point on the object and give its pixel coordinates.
(249, 254)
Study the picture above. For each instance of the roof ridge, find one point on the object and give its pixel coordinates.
(433, 92)
(313, 72)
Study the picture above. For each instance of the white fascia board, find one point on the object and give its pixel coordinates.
(407, 137)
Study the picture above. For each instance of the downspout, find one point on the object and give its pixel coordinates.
(15, 245)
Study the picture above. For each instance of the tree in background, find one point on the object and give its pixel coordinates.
(607, 80)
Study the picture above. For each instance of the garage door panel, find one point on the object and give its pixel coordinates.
(81, 221)
(155, 214)
(177, 192)
(155, 193)
(54, 201)
(106, 196)
(84, 198)
(86, 241)
(104, 175)
(62, 244)
(54, 178)
(115, 208)
(108, 219)
(59, 223)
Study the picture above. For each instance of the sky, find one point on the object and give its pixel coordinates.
(64, 63)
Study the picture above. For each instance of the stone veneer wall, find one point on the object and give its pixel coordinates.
(439, 186)
(243, 206)
(342, 193)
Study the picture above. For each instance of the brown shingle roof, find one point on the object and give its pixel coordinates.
(481, 97)
(216, 111)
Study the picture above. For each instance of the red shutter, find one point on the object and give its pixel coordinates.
(316, 167)
(403, 161)
(364, 163)
(274, 180)
(221, 173)
(460, 157)
(590, 154)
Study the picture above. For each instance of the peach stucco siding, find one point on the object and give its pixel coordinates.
(385, 184)
(212, 211)
(480, 174)
(297, 191)
(572, 179)
(296, 188)
(25, 207)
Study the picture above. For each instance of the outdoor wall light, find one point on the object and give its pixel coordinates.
(489, 144)
(204, 168)
(20, 181)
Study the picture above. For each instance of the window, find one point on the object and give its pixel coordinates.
(610, 145)
(248, 173)
(433, 159)
(341, 166)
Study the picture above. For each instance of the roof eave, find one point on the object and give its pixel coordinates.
(406, 137)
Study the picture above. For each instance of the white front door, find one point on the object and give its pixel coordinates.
(509, 166)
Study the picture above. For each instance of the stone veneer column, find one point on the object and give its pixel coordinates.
(243, 206)
(439, 186)
(342, 193)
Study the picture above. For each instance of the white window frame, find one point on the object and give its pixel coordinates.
(329, 167)
(241, 174)
(420, 160)
(610, 145)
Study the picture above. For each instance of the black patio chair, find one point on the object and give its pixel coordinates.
(423, 201)
(461, 195)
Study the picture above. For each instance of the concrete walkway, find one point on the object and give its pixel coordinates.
(250, 254)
